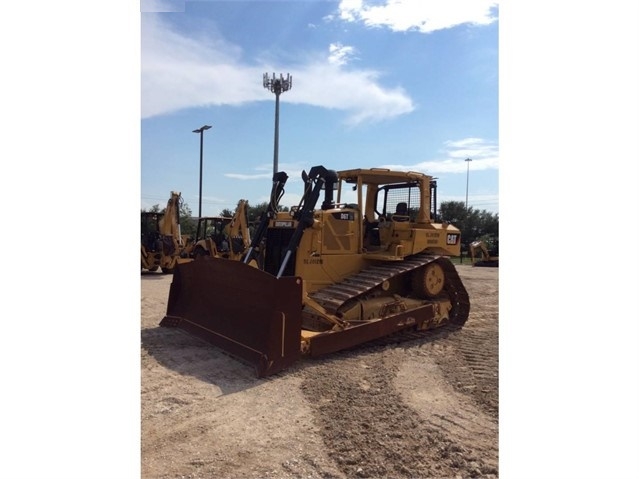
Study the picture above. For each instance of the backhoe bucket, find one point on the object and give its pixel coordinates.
(249, 313)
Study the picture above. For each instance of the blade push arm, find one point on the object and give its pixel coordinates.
(316, 179)
(279, 180)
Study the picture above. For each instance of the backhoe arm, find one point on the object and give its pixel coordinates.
(237, 231)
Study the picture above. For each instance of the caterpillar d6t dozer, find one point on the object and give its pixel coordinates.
(367, 263)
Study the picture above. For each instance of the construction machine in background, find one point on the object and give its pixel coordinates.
(162, 242)
(366, 263)
(237, 233)
(480, 255)
(209, 236)
(221, 236)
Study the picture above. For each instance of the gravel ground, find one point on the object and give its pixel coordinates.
(425, 408)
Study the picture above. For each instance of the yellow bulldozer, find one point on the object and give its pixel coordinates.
(163, 245)
(366, 263)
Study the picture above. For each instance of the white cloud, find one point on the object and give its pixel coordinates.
(339, 54)
(483, 153)
(254, 176)
(424, 16)
(294, 171)
(181, 72)
(357, 92)
(162, 5)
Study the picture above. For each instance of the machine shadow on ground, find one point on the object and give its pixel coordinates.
(190, 356)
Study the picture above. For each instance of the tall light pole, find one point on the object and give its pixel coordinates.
(201, 132)
(277, 86)
(467, 160)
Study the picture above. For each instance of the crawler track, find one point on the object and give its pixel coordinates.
(335, 296)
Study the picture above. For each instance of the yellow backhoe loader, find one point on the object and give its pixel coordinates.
(223, 237)
(481, 256)
(366, 263)
(162, 242)
(209, 236)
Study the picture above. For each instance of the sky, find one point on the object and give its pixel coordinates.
(399, 84)
(77, 138)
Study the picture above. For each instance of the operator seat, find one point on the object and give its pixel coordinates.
(401, 212)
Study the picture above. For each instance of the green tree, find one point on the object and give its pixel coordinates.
(187, 224)
(152, 209)
(453, 211)
(255, 212)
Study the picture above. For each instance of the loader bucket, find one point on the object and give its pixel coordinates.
(249, 313)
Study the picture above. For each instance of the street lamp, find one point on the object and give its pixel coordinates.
(277, 86)
(467, 160)
(201, 132)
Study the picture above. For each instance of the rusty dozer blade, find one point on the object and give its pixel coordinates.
(249, 313)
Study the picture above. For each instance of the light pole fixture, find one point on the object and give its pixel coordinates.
(201, 132)
(277, 86)
(467, 160)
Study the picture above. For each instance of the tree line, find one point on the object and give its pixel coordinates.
(474, 224)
